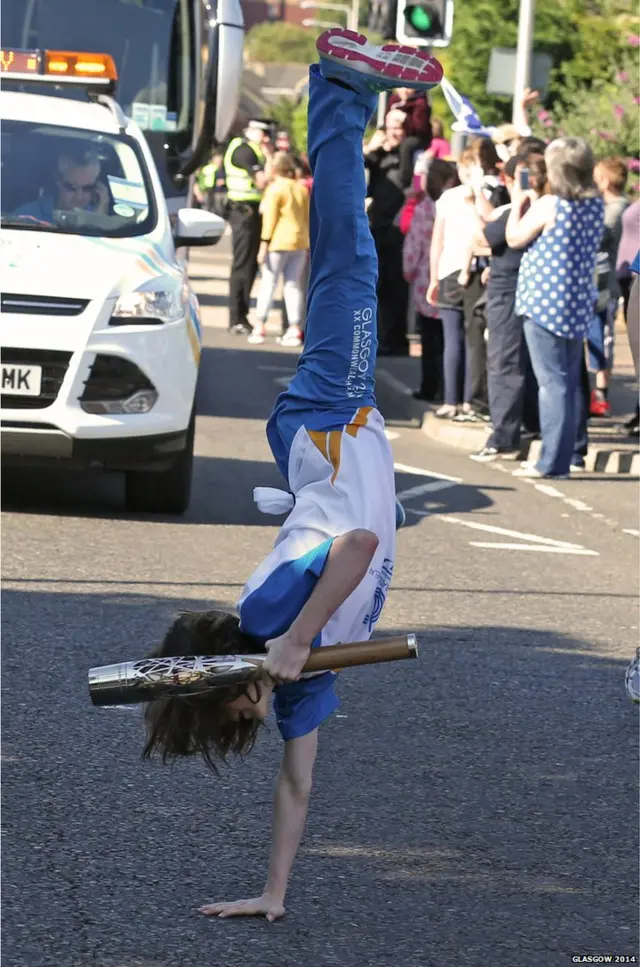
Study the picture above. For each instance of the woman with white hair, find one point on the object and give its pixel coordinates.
(556, 292)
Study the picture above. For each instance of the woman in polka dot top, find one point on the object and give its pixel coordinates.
(556, 292)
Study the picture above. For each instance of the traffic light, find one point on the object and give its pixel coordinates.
(424, 23)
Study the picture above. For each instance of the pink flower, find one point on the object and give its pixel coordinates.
(622, 77)
(605, 135)
(618, 110)
(633, 40)
(632, 164)
(548, 123)
(636, 100)
(543, 116)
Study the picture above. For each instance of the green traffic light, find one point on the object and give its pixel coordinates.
(420, 19)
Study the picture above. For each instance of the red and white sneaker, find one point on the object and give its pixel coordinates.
(384, 68)
(599, 406)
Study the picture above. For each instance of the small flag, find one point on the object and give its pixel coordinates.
(467, 119)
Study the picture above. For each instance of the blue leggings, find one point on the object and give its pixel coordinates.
(457, 371)
(336, 371)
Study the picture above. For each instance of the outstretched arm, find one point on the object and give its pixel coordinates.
(347, 564)
(291, 802)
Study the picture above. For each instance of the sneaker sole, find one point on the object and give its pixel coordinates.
(392, 62)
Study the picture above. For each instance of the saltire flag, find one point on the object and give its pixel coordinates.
(467, 120)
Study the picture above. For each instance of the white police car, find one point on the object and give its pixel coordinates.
(100, 328)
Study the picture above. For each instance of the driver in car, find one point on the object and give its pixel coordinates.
(77, 188)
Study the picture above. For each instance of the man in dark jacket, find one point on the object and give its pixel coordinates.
(390, 173)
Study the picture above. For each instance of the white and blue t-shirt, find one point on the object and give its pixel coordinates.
(341, 479)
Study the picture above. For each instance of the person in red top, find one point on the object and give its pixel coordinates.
(417, 109)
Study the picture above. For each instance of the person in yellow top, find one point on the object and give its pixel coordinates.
(284, 248)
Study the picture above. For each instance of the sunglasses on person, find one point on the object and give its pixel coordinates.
(87, 189)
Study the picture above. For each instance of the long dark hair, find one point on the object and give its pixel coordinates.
(199, 724)
(441, 175)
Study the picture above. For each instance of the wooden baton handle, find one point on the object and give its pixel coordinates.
(332, 657)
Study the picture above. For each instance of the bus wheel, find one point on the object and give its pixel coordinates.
(164, 491)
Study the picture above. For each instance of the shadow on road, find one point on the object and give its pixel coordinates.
(222, 494)
(483, 798)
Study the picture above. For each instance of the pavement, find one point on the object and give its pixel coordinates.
(477, 806)
(611, 450)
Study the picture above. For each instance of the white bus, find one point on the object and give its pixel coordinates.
(179, 66)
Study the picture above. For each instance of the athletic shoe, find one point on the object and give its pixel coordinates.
(256, 336)
(291, 338)
(384, 68)
(401, 517)
(632, 679)
(446, 412)
(577, 468)
(489, 454)
(466, 416)
(599, 406)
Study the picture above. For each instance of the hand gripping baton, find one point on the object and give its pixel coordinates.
(149, 679)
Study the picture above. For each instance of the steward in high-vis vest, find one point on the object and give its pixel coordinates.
(210, 183)
(244, 171)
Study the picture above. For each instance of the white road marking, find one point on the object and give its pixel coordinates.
(572, 501)
(283, 380)
(577, 504)
(427, 488)
(391, 434)
(530, 541)
(632, 531)
(548, 490)
(543, 548)
(491, 529)
(419, 472)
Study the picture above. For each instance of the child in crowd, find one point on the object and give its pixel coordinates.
(610, 176)
(327, 577)
(439, 147)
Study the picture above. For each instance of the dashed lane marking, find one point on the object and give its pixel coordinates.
(534, 547)
(572, 502)
(530, 542)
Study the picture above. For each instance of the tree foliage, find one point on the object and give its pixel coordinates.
(281, 43)
(583, 37)
(592, 44)
(605, 113)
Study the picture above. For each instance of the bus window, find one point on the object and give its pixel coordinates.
(152, 42)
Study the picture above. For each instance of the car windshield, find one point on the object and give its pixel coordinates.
(60, 179)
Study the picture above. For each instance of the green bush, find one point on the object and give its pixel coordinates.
(605, 113)
(281, 43)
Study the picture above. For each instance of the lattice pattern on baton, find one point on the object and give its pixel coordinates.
(182, 670)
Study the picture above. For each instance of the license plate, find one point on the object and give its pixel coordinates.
(21, 380)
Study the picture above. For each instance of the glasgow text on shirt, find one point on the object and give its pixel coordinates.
(361, 349)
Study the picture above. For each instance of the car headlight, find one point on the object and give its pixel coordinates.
(155, 306)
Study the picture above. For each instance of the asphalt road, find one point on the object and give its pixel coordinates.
(476, 807)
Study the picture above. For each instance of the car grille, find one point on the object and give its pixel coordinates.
(37, 305)
(54, 365)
